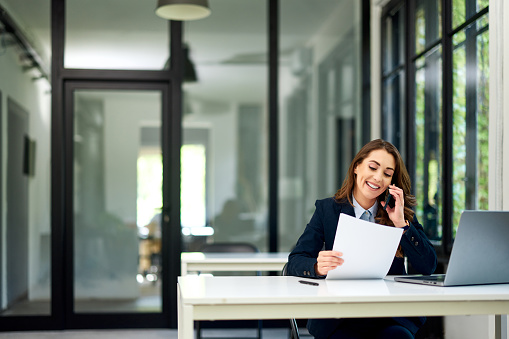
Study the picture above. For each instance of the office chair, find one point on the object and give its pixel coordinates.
(294, 329)
(229, 247)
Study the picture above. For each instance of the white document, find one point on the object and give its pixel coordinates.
(368, 248)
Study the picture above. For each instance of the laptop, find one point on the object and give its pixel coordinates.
(479, 253)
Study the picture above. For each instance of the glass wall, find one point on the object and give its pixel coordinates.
(25, 120)
(117, 201)
(319, 106)
(224, 153)
(115, 34)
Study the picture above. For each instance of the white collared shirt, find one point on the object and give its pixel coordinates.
(359, 210)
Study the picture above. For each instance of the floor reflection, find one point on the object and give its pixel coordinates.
(148, 301)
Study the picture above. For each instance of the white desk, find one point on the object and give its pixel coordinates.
(281, 297)
(198, 261)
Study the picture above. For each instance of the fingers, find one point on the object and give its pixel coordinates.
(397, 213)
(328, 260)
(397, 193)
(399, 199)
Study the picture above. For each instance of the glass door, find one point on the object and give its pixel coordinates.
(117, 227)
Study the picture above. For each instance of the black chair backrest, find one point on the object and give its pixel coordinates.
(229, 247)
(284, 271)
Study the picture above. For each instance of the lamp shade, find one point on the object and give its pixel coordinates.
(182, 10)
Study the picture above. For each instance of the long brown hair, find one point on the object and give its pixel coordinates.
(400, 178)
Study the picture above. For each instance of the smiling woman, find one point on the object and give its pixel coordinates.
(376, 168)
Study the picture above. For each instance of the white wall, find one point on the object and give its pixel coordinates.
(470, 326)
(34, 96)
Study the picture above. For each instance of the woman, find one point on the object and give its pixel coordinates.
(377, 168)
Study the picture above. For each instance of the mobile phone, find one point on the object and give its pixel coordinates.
(389, 201)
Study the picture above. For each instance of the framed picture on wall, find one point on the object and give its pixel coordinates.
(29, 156)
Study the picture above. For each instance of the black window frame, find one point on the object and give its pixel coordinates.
(408, 137)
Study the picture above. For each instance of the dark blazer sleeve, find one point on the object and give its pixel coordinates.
(318, 235)
(418, 249)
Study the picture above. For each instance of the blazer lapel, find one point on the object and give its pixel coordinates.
(344, 207)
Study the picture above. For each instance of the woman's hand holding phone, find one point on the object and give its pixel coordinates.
(394, 204)
(389, 200)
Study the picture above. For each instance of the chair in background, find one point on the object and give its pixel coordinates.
(229, 247)
(294, 329)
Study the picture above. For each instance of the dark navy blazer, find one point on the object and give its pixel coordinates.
(319, 235)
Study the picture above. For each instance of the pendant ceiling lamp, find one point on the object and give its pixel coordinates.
(183, 10)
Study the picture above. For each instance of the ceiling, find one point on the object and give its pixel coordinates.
(229, 47)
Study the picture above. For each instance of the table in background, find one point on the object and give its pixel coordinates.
(282, 297)
(207, 262)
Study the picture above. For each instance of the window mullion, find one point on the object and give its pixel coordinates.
(447, 123)
(410, 92)
(471, 110)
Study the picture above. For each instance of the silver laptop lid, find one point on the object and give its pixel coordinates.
(481, 249)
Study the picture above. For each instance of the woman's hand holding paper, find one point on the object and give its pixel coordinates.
(328, 260)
